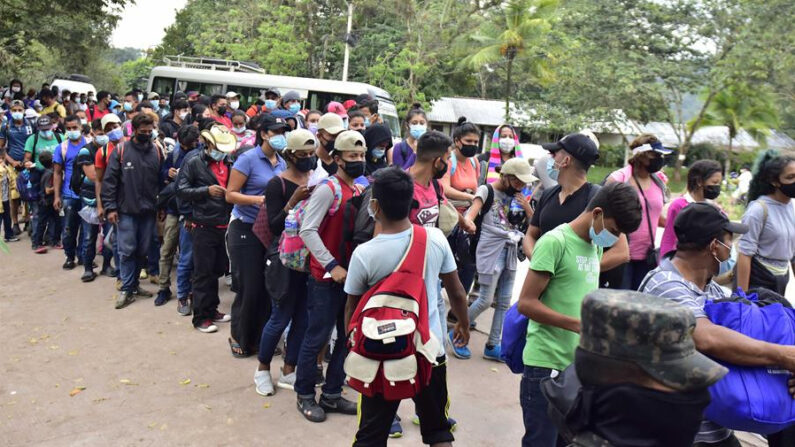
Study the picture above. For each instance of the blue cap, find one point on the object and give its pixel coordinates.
(113, 104)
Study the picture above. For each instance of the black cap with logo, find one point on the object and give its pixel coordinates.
(578, 145)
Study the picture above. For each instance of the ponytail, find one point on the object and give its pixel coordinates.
(464, 127)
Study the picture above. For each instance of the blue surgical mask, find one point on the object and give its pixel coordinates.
(115, 134)
(240, 129)
(417, 130)
(155, 106)
(728, 264)
(278, 142)
(127, 106)
(154, 134)
(217, 155)
(379, 153)
(101, 140)
(73, 135)
(552, 171)
(17, 116)
(367, 122)
(295, 107)
(312, 128)
(46, 134)
(270, 104)
(605, 238)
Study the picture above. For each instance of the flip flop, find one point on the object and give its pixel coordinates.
(237, 351)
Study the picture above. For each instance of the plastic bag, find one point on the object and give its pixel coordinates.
(89, 214)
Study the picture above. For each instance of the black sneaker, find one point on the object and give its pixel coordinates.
(142, 293)
(311, 410)
(183, 307)
(79, 261)
(69, 264)
(12, 239)
(337, 405)
(124, 299)
(163, 296)
(17, 231)
(319, 379)
(108, 271)
(88, 276)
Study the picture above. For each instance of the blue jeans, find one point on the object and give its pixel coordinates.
(134, 237)
(292, 308)
(72, 222)
(185, 263)
(634, 272)
(5, 220)
(90, 233)
(499, 283)
(466, 274)
(325, 309)
(46, 220)
(539, 431)
(153, 257)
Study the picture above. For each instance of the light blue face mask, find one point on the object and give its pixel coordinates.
(73, 135)
(277, 142)
(217, 155)
(17, 116)
(127, 106)
(270, 104)
(605, 238)
(367, 122)
(727, 265)
(417, 130)
(101, 140)
(46, 134)
(154, 134)
(379, 153)
(115, 134)
(295, 107)
(552, 171)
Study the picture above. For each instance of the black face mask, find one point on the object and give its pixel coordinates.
(354, 169)
(331, 168)
(469, 150)
(788, 190)
(655, 164)
(305, 164)
(142, 138)
(631, 415)
(329, 146)
(221, 111)
(440, 172)
(711, 192)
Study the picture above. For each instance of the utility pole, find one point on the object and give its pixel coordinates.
(347, 41)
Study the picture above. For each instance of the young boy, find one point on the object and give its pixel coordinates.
(48, 217)
(563, 269)
(8, 185)
(393, 194)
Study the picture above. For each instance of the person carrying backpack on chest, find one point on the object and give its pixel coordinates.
(65, 198)
(322, 232)
(83, 182)
(383, 265)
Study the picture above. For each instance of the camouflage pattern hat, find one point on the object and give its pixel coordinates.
(651, 332)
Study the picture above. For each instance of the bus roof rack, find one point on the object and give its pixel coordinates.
(212, 64)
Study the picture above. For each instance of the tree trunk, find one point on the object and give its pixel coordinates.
(728, 164)
(508, 91)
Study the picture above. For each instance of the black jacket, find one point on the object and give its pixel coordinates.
(132, 179)
(168, 127)
(193, 189)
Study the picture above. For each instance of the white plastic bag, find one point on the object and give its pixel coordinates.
(89, 214)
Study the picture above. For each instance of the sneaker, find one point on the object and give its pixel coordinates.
(118, 284)
(142, 293)
(58, 246)
(319, 379)
(287, 381)
(228, 280)
(143, 274)
(12, 239)
(461, 352)
(183, 307)
(493, 353)
(40, 250)
(17, 231)
(69, 264)
(263, 383)
(163, 296)
(337, 405)
(396, 430)
(207, 327)
(154, 279)
(221, 317)
(80, 261)
(311, 410)
(88, 276)
(124, 299)
(110, 272)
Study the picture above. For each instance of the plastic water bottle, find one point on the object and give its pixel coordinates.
(290, 224)
(516, 214)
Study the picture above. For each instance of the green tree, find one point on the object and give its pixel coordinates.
(524, 25)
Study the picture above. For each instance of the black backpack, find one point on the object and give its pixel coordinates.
(78, 176)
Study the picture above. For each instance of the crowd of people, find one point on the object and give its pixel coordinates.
(303, 212)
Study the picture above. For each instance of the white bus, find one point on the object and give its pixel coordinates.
(217, 76)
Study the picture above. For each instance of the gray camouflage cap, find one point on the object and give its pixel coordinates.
(652, 332)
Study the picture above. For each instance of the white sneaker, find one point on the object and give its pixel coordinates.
(287, 381)
(264, 383)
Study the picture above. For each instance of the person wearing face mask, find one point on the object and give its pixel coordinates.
(704, 178)
(496, 253)
(101, 108)
(111, 126)
(128, 106)
(461, 180)
(245, 136)
(268, 103)
(250, 175)
(13, 136)
(170, 124)
(291, 101)
(767, 251)
(328, 127)
(356, 122)
(51, 105)
(704, 236)
(322, 233)
(233, 100)
(564, 268)
(312, 119)
(379, 141)
(504, 146)
(618, 392)
(129, 197)
(202, 183)
(66, 199)
(282, 195)
(644, 173)
(218, 107)
(404, 153)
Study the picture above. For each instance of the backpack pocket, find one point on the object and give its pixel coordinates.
(361, 368)
(400, 370)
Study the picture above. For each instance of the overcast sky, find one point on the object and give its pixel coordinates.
(143, 24)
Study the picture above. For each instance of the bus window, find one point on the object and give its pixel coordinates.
(393, 123)
(163, 86)
(201, 87)
(319, 100)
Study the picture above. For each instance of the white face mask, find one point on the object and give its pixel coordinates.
(507, 145)
(183, 115)
(234, 105)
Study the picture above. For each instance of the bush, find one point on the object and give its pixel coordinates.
(611, 156)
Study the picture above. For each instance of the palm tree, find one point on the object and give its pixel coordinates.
(742, 108)
(524, 25)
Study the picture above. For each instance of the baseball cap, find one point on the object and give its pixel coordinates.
(301, 139)
(656, 147)
(519, 168)
(270, 122)
(153, 95)
(271, 90)
(113, 104)
(18, 103)
(578, 145)
(30, 113)
(702, 222)
(350, 141)
(335, 107)
(110, 118)
(652, 332)
(44, 123)
(348, 104)
(221, 138)
(331, 123)
(193, 94)
(230, 94)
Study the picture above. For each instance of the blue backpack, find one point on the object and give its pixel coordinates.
(514, 337)
(28, 191)
(753, 399)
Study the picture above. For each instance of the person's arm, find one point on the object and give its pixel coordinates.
(233, 195)
(617, 255)
(110, 184)
(350, 306)
(90, 172)
(748, 244)
(743, 271)
(530, 304)
(458, 304)
(185, 184)
(276, 204)
(316, 210)
(452, 193)
(530, 238)
(57, 181)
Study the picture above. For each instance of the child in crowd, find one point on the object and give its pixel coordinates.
(48, 217)
(8, 185)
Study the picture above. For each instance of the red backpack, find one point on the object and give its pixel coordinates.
(391, 348)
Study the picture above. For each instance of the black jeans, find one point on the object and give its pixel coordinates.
(251, 308)
(209, 264)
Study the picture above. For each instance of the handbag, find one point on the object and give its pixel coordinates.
(262, 227)
(652, 254)
(277, 276)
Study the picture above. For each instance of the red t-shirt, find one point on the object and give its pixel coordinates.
(100, 161)
(221, 172)
(223, 120)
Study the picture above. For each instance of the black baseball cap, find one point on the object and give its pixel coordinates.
(270, 122)
(578, 145)
(700, 223)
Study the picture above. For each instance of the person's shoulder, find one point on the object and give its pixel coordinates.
(436, 237)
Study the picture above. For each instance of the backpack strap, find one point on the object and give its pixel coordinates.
(64, 147)
(416, 251)
(453, 164)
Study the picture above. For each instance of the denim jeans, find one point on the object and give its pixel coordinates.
(5, 220)
(292, 311)
(499, 283)
(90, 232)
(33, 209)
(634, 272)
(325, 310)
(134, 237)
(72, 222)
(153, 256)
(539, 431)
(185, 263)
(46, 220)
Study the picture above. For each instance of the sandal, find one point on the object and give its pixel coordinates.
(237, 351)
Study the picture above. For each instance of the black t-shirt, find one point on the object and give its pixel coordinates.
(275, 201)
(550, 212)
(86, 158)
